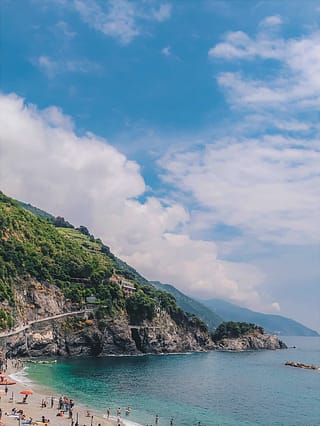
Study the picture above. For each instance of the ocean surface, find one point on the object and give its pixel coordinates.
(214, 388)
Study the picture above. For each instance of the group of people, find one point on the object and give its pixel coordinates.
(19, 414)
(157, 421)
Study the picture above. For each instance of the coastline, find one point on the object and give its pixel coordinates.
(33, 408)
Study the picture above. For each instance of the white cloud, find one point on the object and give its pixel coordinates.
(273, 20)
(166, 51)
(85, 179)
(297, 84)
(268, 187)
(53, 67)
(163, 13)
(120, 18)
(48, 66)
(62, 27)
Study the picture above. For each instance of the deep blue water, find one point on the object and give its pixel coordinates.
(215, 388)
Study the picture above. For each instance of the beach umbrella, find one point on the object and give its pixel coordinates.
(7, 382)
(26, 392)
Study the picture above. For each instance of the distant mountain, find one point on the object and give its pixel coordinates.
(212, 319)
(275, 324)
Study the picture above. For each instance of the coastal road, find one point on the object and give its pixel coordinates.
(30, 323)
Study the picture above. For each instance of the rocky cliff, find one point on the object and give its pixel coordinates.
(251, 341)
(88, 338)
(86, 333)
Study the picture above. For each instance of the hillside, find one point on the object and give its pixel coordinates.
(274, 324)
(188, 304)
(47, 267)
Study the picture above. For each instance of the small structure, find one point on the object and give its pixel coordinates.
(91, 299)
(127, 287)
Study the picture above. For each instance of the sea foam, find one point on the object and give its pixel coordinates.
(125, 422)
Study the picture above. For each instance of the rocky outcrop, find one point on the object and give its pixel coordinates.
(252, 341)
(302, 365)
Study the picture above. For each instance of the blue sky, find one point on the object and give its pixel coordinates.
(185, 134)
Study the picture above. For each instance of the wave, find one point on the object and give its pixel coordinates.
(125, 421)
(151, 354)
(21, 376)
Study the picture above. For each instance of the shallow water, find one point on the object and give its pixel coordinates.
(215, 388)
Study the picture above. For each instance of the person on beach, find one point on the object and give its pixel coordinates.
(108, 412)
(171, 421)
(118, 412)
(157, 419)
(52, 402)
(6, 389)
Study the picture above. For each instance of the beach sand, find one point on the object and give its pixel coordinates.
(33, 406)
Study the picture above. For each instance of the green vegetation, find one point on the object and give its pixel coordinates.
(233, 330)
(6, 320)
(37, 245)
(32, 247)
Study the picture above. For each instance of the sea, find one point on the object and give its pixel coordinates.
(213, 388)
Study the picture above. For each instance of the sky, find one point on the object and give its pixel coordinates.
(184, 134)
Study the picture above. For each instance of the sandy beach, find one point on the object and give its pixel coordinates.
(32, 408)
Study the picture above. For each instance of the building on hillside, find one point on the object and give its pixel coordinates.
(126, 286)
(91, 299)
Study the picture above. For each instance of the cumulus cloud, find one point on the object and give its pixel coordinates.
(85, 179)
(120, 18)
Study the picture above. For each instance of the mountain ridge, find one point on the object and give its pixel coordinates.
(191, 305)
(275, 324)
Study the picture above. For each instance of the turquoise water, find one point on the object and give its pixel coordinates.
(215, 388)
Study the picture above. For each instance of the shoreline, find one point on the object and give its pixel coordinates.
(33, 408)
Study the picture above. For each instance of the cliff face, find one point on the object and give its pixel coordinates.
(84, 334)
(58, 339)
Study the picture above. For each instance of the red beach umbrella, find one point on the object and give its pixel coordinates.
(26, 392)
(7, 382)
